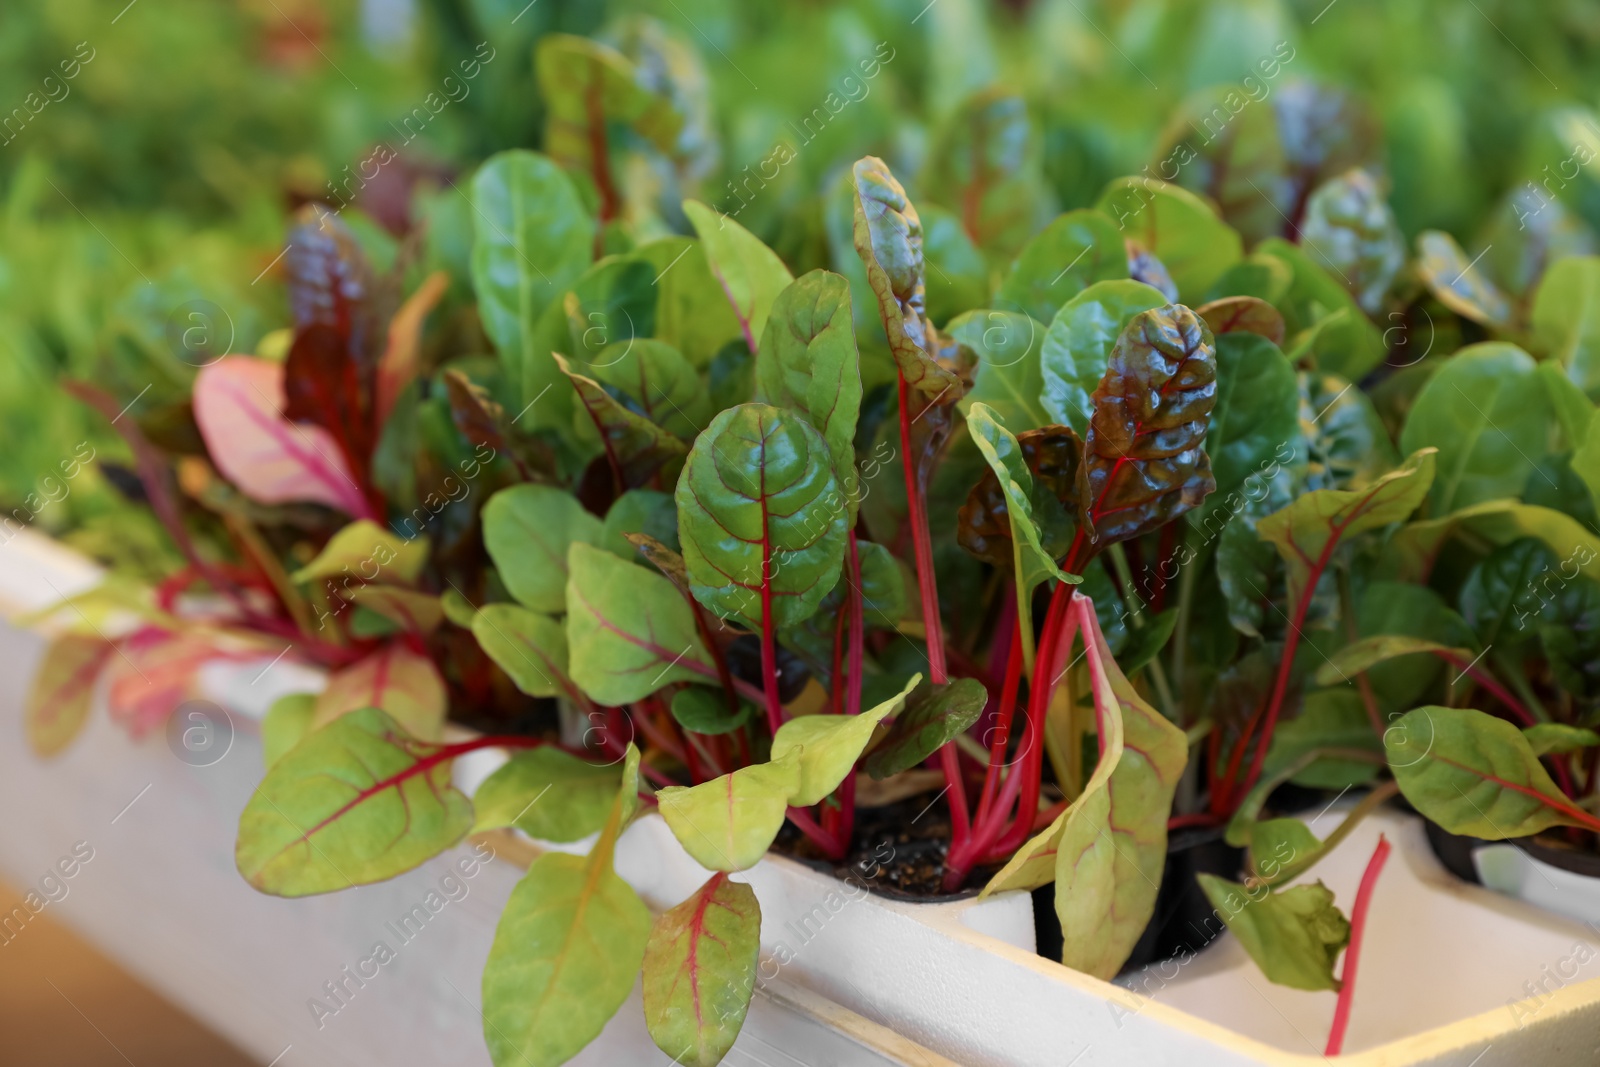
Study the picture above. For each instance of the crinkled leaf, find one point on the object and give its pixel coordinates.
(751, 274)
(528, 530)
(1143, 266)
(1309, 528)
(548, 794)
(357, 801)
(1179, 228)
(1009, 377)
(1473, 774)
(1346, 444)
(1458, 283)
(531, 648)
(1058, 495)
(827, 746)
(629, 632)
(808, 363)
(700, 971)
(728, 823)
(760, 516)
(1488, 414)
(888, 237)
(397, 679)
(1144, 448)
(1294, 935)
(1348, 222)
(62, 693)
(1078, 343)
(1069, 255)
(1500, 595)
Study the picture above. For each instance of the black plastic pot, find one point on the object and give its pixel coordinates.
(1184, 921)
(1455, 852)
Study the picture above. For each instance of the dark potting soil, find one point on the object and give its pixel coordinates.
(898, 851)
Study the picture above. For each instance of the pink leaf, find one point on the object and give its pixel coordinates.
(155, 671)
(238, 404)
(399, 364)
(402, 682)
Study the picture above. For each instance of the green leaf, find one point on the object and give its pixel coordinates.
(457, 608)
(888, 237)
(548, 794)
(286, 722)
(636, 447)
(391, 609)
(827, 746)
(1346, 344)
(1177, 227)
(355, 802)
(728, 823)
(1563, 319)
(1328, 719)
(651, 379)
(1349, 224)
(640, 511)
(1077, 346)
(1075, 251)
(1031, 563)
(1573, 409)
(1586, 459)
(750, 273)
(1280, 848)
(1310, 527)
(1146, 642)
(528, 530)
(1499, 593)
(934, 715)
(567, 950)
(761, 517)
(365, 546)
(692, 312)
(1366, 653)
(533, 238)
(1474, 774)
(1113, 839)
(1009, 378)
(1144, 448)
(1294, 935)
(1488, 414)
(705, 711)
(1457, 283)
(1255, 423)
(1346, 444)
(1558, 739)
(700, 971)
(808, 363)
(531, 648)
(629, 632)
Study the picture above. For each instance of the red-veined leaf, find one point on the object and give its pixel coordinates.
(402, 682)
(700, 971)
(398, 364)
(63, 691)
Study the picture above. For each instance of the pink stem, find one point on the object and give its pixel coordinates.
(1352, 955)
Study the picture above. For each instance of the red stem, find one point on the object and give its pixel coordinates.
(1002, 724)
(1352, 955)
(922, 544)
(807, 825)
